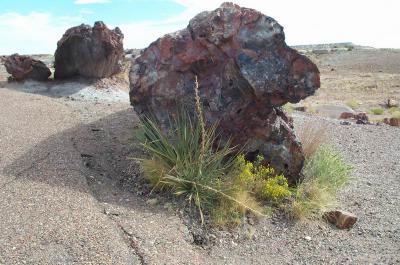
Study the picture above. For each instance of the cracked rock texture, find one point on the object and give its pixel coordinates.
(90, 52)
(246, 73)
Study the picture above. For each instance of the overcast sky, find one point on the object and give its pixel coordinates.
(29, 27)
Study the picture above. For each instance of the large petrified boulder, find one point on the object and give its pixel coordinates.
(22, 67)
(246, 73)
(90, 52)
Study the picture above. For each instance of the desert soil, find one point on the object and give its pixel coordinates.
(70, 194)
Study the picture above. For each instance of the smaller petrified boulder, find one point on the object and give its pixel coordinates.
(346, 115)
(392, 121)
(25, 67)
(361, 118)
(341, 219)
(90, 52)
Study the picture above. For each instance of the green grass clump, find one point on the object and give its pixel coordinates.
(377, 111)
(352, 103)
(288, 107)
(396, 114)
(324, 174)
(393, 109)
(276, 189)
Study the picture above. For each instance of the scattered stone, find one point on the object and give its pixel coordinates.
(345, 123)
(25, 67)
(90, 52)
(392, 121)
(342, 219)
(308, 238)
(152, 202)
(301, 108)
(392, 103)
(246, 73)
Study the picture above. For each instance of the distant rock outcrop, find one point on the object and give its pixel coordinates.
(25, 67)
(90, 52)
(246, 73)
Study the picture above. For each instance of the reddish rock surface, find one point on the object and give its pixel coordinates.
(90, 52)
(392, 121)
(24, 67)
(346, 115)
(246, 73)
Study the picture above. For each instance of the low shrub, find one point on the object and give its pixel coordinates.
(324, 174)
(396, 114)
(377, 111)
(312, 136)
(393, 109)
(288, 108)
(275, 189)
(352, 103)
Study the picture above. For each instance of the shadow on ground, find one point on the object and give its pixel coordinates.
(100, 151)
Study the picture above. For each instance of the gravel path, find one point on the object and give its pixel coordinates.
(69, 195)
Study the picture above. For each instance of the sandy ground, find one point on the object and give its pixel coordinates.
(70, 194)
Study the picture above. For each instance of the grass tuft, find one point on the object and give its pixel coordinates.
(312, 137)
(288, 107)
(377, 111)
(352, 103)
(396, 114)
(324, 174)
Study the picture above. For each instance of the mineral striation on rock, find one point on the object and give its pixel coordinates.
(22, 67)
(246, 73)
(90, 52)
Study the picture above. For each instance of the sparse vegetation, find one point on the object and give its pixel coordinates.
(396, 114)
(324, 174)
(377, 111)
(352, 103)
(288, 107)
(189, 161)
(311, 138)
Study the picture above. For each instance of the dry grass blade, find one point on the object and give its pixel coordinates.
(312, 137)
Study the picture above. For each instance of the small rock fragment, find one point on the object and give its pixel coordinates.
(345, 123)
(341, 219)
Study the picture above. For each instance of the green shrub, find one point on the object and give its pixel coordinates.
(288, 107)
(324, 174)
(377, 111)
(276, 189)
(396, 114)
(393, 109)
(352, 103)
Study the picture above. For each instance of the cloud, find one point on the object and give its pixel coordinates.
(33, 33)
(369, 22)
(88, 2)
(306, 22)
